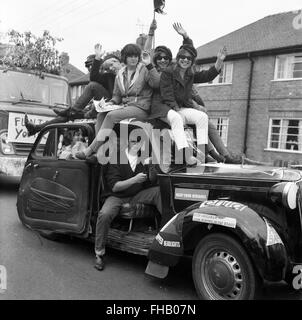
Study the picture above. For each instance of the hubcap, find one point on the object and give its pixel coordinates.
(222, 275)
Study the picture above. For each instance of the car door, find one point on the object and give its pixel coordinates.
(54, 193)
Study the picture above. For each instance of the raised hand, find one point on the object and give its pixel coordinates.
(179, 29)
(146, 58)
(98, 51)
(222, 53)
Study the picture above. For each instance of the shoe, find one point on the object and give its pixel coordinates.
(69, 113)
(31, 128)
(91, 114)
(62, 113)
(81, 155)
(231, 159)
(99, 263)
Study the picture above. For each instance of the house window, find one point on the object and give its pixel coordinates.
(285, 134)
(225, 76)
(222, 126)
(288, 67)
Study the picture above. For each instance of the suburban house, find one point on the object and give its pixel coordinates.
(256, 101)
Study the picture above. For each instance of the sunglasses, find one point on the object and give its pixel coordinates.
(166, 58)
(185, 57)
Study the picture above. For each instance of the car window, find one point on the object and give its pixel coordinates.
(46, 146)
(62, 143)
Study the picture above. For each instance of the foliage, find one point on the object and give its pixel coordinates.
(117, 53)
(33, 53)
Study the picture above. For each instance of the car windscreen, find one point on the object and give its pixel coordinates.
(16, 86)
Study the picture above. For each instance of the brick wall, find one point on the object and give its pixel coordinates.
(269, 98)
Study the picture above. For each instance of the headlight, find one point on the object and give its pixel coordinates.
(5, 146)
(285, 193)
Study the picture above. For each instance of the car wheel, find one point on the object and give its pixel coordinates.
(222, 270)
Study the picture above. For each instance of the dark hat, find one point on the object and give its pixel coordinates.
(161, 49)
(89, 60)
(189, 48)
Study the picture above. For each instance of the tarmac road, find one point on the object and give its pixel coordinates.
(42, 269)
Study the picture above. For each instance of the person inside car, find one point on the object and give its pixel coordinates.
(126, 182)
(72, 142)
(133, 90)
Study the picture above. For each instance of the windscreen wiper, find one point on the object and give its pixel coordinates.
(22, 100)
(26, 100)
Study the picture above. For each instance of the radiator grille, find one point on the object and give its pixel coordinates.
(23, 149)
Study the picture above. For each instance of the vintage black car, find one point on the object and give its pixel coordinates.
(241, 224)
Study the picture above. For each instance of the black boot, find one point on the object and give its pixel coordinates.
(62, 113)
(32, 129)
(233, 159)
(70, 113)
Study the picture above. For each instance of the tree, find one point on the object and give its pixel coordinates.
(33, 53)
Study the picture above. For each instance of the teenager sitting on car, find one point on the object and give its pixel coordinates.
(127, 183)
(176, 92)
(162, 57)
(102, 77)
(133, 90)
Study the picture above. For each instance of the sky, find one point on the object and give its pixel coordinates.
(114, 23)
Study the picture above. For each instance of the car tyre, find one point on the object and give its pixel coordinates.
(222, 270)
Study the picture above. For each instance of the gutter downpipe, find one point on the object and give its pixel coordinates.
(248, 106)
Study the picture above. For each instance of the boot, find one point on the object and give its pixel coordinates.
(99, 262)
(70, 113)
(32, 129)
(233, 159)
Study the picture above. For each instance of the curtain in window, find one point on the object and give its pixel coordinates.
(283, 134)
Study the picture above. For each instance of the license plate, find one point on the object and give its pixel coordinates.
(17, 131)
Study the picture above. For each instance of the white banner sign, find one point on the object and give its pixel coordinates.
(17, 131)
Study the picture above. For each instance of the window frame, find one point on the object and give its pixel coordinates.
(269, 140)
(227, 125)
(225, 65)
(286, 69)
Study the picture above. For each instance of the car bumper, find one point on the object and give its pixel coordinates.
(12, 166)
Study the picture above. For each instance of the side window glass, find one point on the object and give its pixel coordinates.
(70, 142)
(46, 146)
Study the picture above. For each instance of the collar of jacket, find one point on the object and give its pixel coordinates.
(121, 73)
(176, 74)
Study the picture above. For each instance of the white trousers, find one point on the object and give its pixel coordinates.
(177, 120)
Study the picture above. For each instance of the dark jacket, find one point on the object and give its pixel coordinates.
(159, 108)
(177, 92)
(106, 79)
(120, 172)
